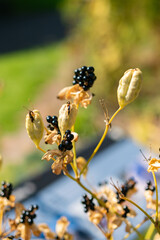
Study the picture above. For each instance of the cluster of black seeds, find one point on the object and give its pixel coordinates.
(6, 189)
(128, 185)
(58, 238)
(126, 211)
(66, 143)
(85, 77)
(88, 203)
(150, 186)
(100, 184)
(53, 122)
(12, 237)
(27, 216)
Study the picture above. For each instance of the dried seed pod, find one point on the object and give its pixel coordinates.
(35, 126)
(67, 116)
(129, 86)
(81, 162)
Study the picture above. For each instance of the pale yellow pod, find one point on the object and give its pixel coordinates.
(35, 126)
(67, 116)
(129, 86)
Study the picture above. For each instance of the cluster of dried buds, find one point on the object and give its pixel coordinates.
(22, 226)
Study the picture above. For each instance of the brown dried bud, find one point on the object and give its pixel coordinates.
(35, 126)
(81, 162)
(67, 116)
(129, 86)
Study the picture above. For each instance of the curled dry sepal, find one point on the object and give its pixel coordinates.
(61, 231)
(61, 160)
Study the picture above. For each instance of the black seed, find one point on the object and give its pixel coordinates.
(61, 147)
(51, 128)
(90, 69)
(81, 73)
(74, 77)
(21, 220)
(55, 122)
(67, 132)
(34, 215)
(30, 221)
(85, 87)
(152, 188)
(36, 206)
(23, 212)
(74, 82)
(27, 213)
(81, 83)
(22, 216)
(49, 119)
(85, 78)
(79, 78)
(70, 137)
(69, 147)
(54, 118)
(149, 183)
(31, 208)
(91, 76)
(67, 143)
(84, 68)
(76, 72)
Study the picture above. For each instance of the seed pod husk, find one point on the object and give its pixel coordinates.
(129, 86)
(67, 116)
(35, 126)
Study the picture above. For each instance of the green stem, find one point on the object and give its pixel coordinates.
(138, 233)
(141, 209)
(101, 140)
(74, 158)
(155, 182)
(86, 189)
(150, 231)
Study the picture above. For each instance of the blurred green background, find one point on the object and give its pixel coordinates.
(113, 36)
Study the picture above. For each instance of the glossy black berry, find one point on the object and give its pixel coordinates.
(69, 147)
(49, 119)
(61, 147)
(36, 206)
(90, 69)
(30, 221)
(84, 68)
(88, 203)
(54, 118)
(70, 137)
(67, 132)
(74, 82)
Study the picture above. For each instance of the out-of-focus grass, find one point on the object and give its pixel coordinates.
(32, 165)
(22, 76)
